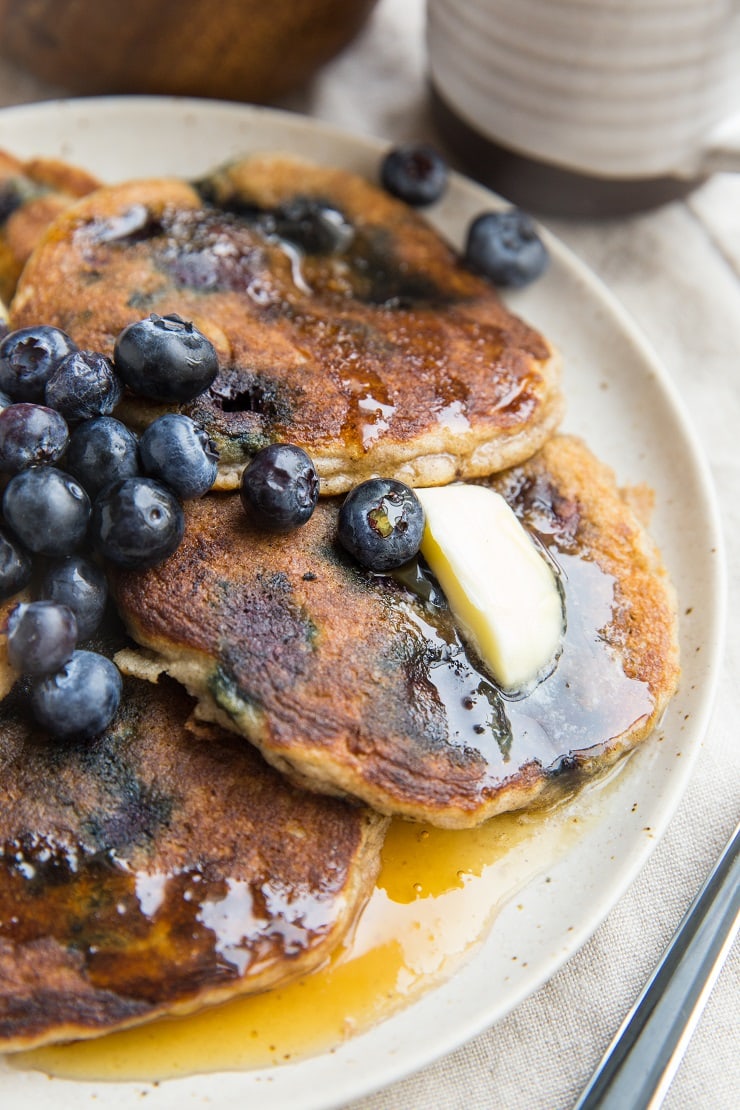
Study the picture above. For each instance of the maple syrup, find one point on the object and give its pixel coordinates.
(434, 901)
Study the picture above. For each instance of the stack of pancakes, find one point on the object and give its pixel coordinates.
(170, 864)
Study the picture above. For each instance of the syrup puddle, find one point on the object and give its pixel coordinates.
(433, 903)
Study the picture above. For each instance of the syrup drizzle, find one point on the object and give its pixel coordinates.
(586, 693)
(434, 900)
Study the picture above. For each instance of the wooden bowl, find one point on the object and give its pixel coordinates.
(232, 49)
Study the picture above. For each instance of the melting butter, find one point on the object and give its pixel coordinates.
(502, 592)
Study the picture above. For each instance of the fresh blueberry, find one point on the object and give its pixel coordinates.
(166, 358)
(80, 585)
(179, 453)
(381, 523)
(505, 247)
(29, 357)
(314, 226)
(80, 699)
(15, 567)
(415, 173)
(41, 637)
(101, 451)
(5, 401)
(280, 487)
(47, 509)
(31, 435)
(84, 385)
(137, 523)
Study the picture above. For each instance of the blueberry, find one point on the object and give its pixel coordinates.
(29, 357)
(31, 435)
(137, 523)
(381, 523)
(15, 566)
(415, 173)
(314, 226)
(80, 585)
(80, 699)
(101, 451)
(165, 358)
(47, 509)
(41, 637)
(280, 487)
(505, 247)
(5, 401)
(84, 385)
(177, 452)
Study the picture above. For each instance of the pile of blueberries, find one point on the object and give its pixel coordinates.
(79, 484)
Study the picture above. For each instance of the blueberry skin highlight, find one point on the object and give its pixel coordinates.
(101, 451)
(179, 453)
(280, 488)
(137, 523)
(29, 357)
(313, 226)
(79, 584)
(41, 637)
(15, 566)
(415, 173)
(381, 523)
(80, 699)
(505, 248)
(47, 510)
(165, 358)
(31, 435)
(83, 386)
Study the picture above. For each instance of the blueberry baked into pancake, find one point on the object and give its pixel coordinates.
(357, 682)
(157, 869)
(342, 321)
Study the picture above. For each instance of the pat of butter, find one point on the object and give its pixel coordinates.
(502, 592)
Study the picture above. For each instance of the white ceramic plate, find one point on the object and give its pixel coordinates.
(623, 403)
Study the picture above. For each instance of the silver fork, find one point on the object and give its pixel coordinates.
(641, 1061)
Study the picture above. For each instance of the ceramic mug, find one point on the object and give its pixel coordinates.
(587, 106)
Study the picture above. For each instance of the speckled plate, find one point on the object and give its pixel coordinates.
(608, 368)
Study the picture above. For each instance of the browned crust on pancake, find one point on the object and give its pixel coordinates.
(349, 684)
(155, 870)
(389, 357)
(34, 192)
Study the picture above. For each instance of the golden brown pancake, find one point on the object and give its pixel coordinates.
(375, 350)
(154, 870)
(351, 683)
(32, 194)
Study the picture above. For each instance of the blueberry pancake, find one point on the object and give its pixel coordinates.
(342, 321)
(155, 870)
(358, 683)
(32, 194)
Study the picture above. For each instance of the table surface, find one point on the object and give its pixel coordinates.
(677, 271)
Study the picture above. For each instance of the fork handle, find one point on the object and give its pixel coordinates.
(641, 1061)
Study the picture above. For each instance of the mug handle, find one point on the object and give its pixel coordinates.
(721, 153)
